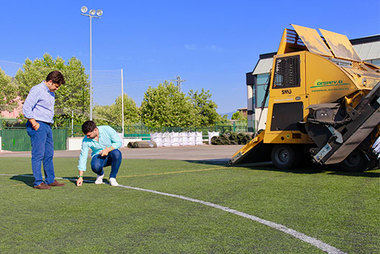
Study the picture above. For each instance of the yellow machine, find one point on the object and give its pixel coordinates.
(323, 104)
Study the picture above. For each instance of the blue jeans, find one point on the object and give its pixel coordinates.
(113, 159)
(42, 151)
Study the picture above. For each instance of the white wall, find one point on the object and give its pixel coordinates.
(250, 107)
(74, 143)
(177, 138)
(263, 120)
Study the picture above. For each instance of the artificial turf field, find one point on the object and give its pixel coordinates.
(340, 209)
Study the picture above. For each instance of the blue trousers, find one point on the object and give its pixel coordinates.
(42, 151)
(113, 159)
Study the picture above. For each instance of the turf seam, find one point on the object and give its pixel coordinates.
(173, 172)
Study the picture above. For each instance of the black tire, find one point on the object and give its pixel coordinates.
(304, 158)
(284, 157)
(355, 162)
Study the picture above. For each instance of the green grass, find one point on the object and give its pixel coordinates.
(339, 209)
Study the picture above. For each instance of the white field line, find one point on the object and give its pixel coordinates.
(311, 240)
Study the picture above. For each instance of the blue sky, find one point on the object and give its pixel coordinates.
(210, 44)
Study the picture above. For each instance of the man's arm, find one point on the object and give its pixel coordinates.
(106, 151)
(29, 104)
(35, 124)
(80, 178)
(82, 162)
(115, 141)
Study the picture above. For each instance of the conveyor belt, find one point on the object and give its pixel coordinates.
(355, 132)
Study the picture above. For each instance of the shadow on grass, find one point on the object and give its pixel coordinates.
(216, 162)
(268, 166)
(257, 166)
(86, 179)
(28, 179)
(360, 174)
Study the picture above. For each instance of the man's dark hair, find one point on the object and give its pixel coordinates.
(88, 126)
(56, 77)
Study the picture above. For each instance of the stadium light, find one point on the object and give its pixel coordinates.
(91, 14)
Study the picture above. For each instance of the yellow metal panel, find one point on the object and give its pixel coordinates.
(312, 40)
(293, 94)
(282, 47)
(340, 45)
(364, 79)
(254, 142)
(286, 137)
(326, 81)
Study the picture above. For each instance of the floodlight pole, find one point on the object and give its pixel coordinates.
(90, 67)
(91, 14)
(122, 104)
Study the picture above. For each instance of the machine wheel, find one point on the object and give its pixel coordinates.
(355, 162)
(284, 157)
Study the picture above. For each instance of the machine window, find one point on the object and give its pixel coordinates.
(287, 72)
(261, 86)
(285, 116)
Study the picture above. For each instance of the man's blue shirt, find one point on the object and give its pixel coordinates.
(39, 104)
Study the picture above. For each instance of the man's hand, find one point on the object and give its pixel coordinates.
(80, 181)
(105, 152)
(35, 124)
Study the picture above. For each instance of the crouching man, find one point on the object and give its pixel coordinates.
(104, 143)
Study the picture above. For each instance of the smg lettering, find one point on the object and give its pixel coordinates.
(286, 91)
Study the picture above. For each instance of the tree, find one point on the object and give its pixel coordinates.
(103, 115)
(70, 97)
(224, 119)
(8, 92)
(167, 106)
(111, 114)
(131, 111)
(238, 115)
(205, 107)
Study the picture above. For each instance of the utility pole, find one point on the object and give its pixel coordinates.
(72, 123)
(179, 81)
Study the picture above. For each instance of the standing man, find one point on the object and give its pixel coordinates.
(104, 143)
(39, 109)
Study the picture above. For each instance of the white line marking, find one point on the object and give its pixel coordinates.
(311, 240)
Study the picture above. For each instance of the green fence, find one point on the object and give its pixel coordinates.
(17, 139)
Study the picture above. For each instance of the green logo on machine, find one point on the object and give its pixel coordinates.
(332, 85)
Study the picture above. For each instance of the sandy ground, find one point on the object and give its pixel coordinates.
(204, 152)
